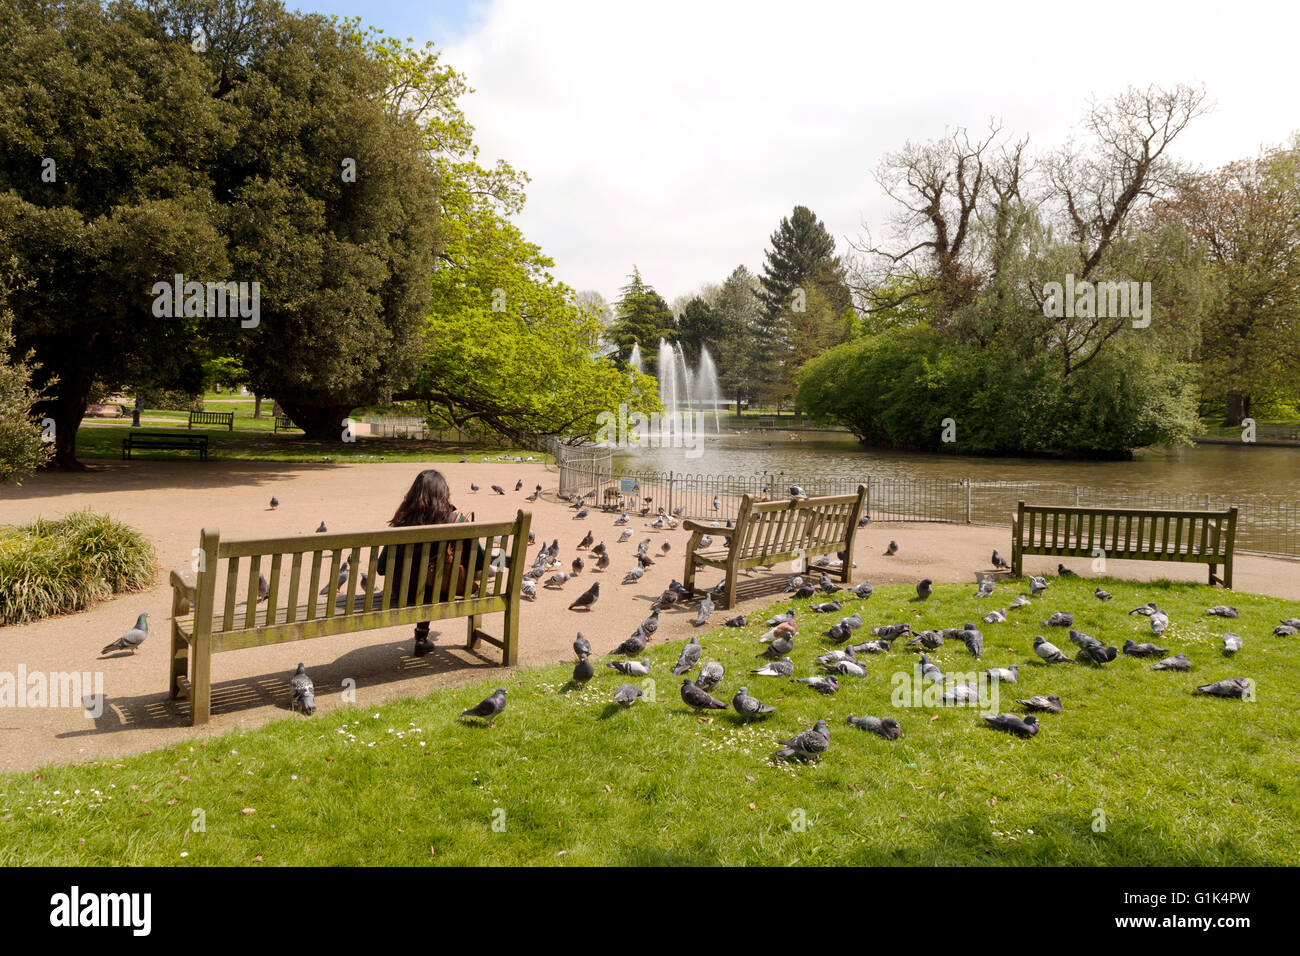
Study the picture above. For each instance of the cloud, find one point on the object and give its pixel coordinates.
(676, 135)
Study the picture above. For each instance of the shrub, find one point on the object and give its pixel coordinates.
(68, 564)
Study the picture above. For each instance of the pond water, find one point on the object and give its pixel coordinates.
(1236, 469)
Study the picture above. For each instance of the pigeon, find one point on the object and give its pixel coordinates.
(1232, 687)
(643, 547)
(275, 502)
(781, 645)
(705, 611)
(826, 607)
(1178, 662)
(995, 617)
(924, 589)
(961, 694)
(1020, 601)
(342, 579)
(1096, 654)
(666, 547)
(846, 667)
(827, 585)
(644, 561)
(705, 543)
(649, 625)
(689, 657)
(1050, 704)
(739, 620)
(585, 543)
(1159, 622)
(1133, 649)
(930, 640)
(864, 521)
(1058, 619)
(1050, 652)
(528, 589)
(891, 631)
(582, 513)
(557, 580)
(1231, 644)
(583, 671)
(489, 707)
(587, 598)
(892, 549)
(698, 699)
(839, 632)
(581, 645)
(1101, 595)
(806, 591)
(796, 492)
(627, 694)
(870, 647)
(304, 691)
(1037, 585)
(1005, 675)
(1084, 640)
(633, 576)
(263, 589)
(632, 646)
(711, 675)
(830, 657)
(717, 503)
(619, 522)
(473, 487)
(782, 668)
(132, 638)
(1063, 572)
(930, 671)
(810, 743)
(603, 561)
(863, 590)
(795, 583)
(985, 588)
(625, 535)
(886, 727)
(1146, 609)
(781, 629)
(1286, 630)
(823, 685)
(322, 529)
(999, 561)
(534, 496)
(498, 489)
(519, 485)
(631, 668)
(780, 618)
(1021, 727)
(1292, 622)
(750, 707)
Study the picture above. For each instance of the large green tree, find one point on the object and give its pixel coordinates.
(641, 317)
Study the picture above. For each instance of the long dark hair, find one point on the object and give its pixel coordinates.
(427, 502)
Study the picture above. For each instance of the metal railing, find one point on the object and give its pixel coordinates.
(1264, 525)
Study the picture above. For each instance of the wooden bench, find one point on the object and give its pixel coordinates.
(212, 418)
(1130, 534)
(212, 612)
(284, 423)
(165, 440)
(769, 531)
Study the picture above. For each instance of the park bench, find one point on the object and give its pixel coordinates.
(283, 423)
(770, 531)
(212, 610)
(212, 418)
(164, 440)
(1130, 534)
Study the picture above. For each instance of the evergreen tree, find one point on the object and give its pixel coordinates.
(641, 317)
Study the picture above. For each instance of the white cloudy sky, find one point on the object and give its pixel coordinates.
(675, 135)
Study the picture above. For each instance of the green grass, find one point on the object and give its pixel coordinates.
(105, 441)
(65, 565)
(568, 779)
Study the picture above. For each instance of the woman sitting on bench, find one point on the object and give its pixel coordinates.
(429, 502)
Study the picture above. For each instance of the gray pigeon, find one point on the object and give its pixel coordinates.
(557, 580)
(750, 707)
(961, 694)
(1292, 622)
(689, 657)
(846, 667)
(930, 640)
(974, 640)
(1063, 572)
(1232, 687)
(1005, 675)
(796, 492)
(1101, 595)
(1037, 585)
(823, 685)
(649, 625)
(880, 646)
(1050, 652)
(1020, 601)
(1222, 610)
(132, 638)
(827, 607)
(780, 618)
(587, 598)
(995, 617)
(322, 529)
(892, 549)
(1286, 630)
(886, 727)
(891, 631)
(340, 581)
(631, 668)
(985, 589)
(698, 699)
(780, 646)
(583, 671)
(930, 671)
(1231, 644)
(782, 668)
(1096, 653)
(498, 489)
(275, 502)
(489, 707)
(603, 561)
(999, 561)
(1058, 619)
(840, 632)
(528, 588)
(263, 588)
(581, 645)
(1133, 649)
(830, 657)
(627, 533)
(627, 694)
(705, 611)
(1021, 727)
(1159, 622)
(1145, 609)
(633, 576)
(1050, 704)
(633, 645)
(304, 692)
(739, 620)
(864, 590)
(794, 584)
(1084, 640)
(1178, 662)
(924, 589)
(711, 675)
(810, 743)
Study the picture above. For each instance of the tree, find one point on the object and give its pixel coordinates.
(699, 325)
(642, 318)
(739, 313)
(22, 446)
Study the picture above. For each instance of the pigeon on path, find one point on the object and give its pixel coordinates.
(892, 549)
(587, 598)
(698, 699)
(275, 502)
(322, 529)
(132, 638)
(498, 489)
(705, 611)
(810, 743)
(886, 727)
(304, 691)
(489, 707)
(263, 588)
(1021, 727)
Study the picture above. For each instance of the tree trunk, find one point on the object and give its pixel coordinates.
(135, 412)
(1238, 409)
(68, 409)
(322, 422)
(257, 406)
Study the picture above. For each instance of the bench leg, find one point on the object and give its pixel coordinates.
(688, 576)
(730, 592)
(471, 639)
(846, 572)
(1017, 562)
(180, 663)
(201, 687)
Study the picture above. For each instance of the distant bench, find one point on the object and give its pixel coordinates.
(283, 424)
(1129, 534)
(771, 531)
(165, 440)
(212, 611)
(212, 418)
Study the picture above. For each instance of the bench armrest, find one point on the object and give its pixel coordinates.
(690, 524)
(184, 584)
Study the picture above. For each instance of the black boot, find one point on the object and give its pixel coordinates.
(422, 643)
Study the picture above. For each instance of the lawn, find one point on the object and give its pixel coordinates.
(1136, 771)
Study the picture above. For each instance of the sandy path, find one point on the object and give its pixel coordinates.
(171, 501)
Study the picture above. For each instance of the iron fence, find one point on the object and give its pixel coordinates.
(1264, 525)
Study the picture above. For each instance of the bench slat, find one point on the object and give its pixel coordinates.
(295, 573)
